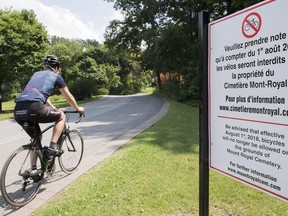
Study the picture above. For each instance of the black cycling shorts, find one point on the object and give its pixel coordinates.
(34, 113)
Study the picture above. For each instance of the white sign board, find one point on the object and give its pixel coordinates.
(248, 96)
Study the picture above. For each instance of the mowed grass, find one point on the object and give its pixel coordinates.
(157, 173)
(7, 110)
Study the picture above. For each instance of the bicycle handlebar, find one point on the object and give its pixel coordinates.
(74, 111)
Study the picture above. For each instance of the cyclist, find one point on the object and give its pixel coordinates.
(33, 105)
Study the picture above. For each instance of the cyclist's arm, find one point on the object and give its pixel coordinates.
(70, 99)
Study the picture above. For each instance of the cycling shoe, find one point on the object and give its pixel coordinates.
(54, 151)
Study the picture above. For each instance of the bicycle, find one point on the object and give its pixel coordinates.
(19, 185)
(254, 22)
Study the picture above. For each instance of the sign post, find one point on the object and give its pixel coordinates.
(248, 95)
(203, 18)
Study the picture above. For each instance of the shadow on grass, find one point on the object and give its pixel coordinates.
(180, 143)
(177, 131)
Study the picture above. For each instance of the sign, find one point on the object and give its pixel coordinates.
(248, 96)
(251, 25)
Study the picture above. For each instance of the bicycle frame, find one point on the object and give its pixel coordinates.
(19, 185)
(36, 144)
(37, 140)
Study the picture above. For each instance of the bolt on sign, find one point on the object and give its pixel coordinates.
(248, 96)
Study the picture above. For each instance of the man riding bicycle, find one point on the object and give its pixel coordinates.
(33, 104)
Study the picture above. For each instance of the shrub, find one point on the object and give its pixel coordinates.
(102, 91)
(82, 89)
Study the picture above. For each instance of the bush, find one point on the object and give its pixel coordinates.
(102, 91)
(171, 89)
(82, 89)
(7, 91)
(187, 93)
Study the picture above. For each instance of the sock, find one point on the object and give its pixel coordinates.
(52, 145)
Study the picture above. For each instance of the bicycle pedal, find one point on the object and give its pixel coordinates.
(58, 154)
(54, 152)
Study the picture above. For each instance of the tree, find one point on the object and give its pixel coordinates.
(87, 77)
(140, 26)
(65, 56)
(23, 41)
(156, 24)
(113, 80)
(169, 31)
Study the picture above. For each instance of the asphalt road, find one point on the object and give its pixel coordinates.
(109, 123)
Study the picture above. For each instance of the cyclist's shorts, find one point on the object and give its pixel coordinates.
(34, 113)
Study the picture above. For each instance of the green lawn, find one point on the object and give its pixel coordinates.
(7, 108)
(157, 173)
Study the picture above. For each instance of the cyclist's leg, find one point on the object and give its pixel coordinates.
(22, 115)
(33, 126)
(58, 128)
(49, 114)
(32, 129)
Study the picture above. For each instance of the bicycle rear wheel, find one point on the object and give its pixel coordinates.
(72, 145)
(18, 185)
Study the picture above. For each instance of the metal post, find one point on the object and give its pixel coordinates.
(203, 20)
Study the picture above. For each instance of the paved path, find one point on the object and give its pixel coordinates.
(109, 124)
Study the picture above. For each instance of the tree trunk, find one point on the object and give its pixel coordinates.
(159, 80)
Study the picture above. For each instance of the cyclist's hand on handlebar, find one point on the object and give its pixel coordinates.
(81, 109)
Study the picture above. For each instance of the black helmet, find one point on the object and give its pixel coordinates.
(52, 61)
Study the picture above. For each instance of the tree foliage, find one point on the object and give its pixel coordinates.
(168, 29)
(23, 41)
(98, 68)
(156, 37)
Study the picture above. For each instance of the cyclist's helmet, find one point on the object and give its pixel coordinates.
(52, 61)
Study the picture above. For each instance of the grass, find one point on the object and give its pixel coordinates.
(157, 173)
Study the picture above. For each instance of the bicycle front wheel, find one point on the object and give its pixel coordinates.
(18, 184)
(72, 145)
